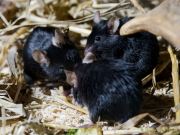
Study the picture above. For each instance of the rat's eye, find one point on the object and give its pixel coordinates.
(97, 38)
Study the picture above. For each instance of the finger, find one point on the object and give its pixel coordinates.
(135, 25)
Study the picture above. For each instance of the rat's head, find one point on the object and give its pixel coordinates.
(60, 38)
(104, 36)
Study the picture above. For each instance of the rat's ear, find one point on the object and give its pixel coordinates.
(59, 38)
(113, 25)
(97, 17)
(71, 78)
(40, 57)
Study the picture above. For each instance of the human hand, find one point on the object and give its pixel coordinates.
(163, 20)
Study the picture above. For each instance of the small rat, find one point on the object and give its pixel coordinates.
(141, 49)
(47, 52)
(108, 88)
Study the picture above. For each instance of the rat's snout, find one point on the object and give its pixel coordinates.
(88, 49)
(89, 58)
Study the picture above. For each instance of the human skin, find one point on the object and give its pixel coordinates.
(164, 20)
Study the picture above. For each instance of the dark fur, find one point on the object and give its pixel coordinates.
(109, 90)
(141, 49)
(60, 58)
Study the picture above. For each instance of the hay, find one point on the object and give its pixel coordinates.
(47, 111)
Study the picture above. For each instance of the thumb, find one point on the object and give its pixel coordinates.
(135, 25)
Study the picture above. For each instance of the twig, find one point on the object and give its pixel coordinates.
(159, 69)
(57, 126)
(31, 107)
(3, 18)
(3, 55)
(72, 106)
(19, 87)
(94, 1)
(26, 24)
(122, 4)
(27, 7)
(61, 23)
(72, 27)
(3, 113)
(10, 42)
(18, 19)
(84, 32)
(99, 6)
(35, 6)
(175, 78)
(128, 131)
(154, 83)
(136, 119)
(138, 6)
(15, 65)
